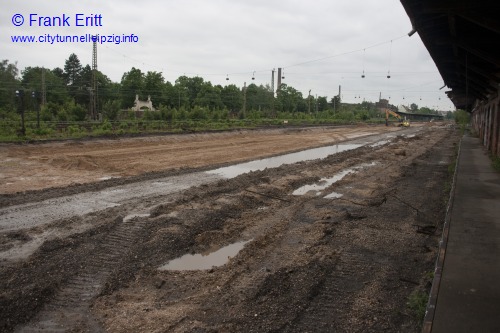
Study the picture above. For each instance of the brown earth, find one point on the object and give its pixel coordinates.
(38, 166)
(313, 264)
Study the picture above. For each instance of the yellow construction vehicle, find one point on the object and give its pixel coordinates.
(402, 122)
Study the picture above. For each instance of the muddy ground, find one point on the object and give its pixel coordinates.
(311, 264)
(28, 167)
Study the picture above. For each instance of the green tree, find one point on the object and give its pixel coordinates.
(462, 117)
(209, 96)
(110, 109)
(193, 85)
(75, 112)
(426, 110)
(258, 97)
(72, 70)
(82, 94)
(302, 106)
(8, 85)
(132, 84)
(103, 88)
(153, 86)
(106, 90)
(232, 98)
(288, 98)
(73, 76)
(335, 103)
(170, 95)
(59, 73)
(55, 88)
(181, 96)
(322, 103)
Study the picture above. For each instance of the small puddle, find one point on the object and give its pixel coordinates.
(323, 183)
(113, 191)
(22, 251)
(160, 184)
(132, 216)
(380, 143)
(191, 262)
(333, 195)
(326, 182)
(107, 178)
(274, 162)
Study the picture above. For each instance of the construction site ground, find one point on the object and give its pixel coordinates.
(88, 227)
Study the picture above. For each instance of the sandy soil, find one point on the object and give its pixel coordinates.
(38, 166)
(311, 264)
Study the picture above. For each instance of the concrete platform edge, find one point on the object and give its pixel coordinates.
(436, 281)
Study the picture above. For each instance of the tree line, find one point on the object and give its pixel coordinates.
(67, 93)
(68, 96)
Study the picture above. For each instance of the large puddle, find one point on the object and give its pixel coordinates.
(274, 162)
(324, 183)
(190, 262)
(38, 213)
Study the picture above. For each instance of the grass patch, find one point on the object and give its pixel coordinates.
(417, 303)
(79, 129)
(495, 162)
(451, 172)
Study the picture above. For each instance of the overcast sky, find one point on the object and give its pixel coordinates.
(320, 44)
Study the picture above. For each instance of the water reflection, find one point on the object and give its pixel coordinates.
(204, 261)
(274, 162)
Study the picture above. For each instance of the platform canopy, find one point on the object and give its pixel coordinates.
(463, 39)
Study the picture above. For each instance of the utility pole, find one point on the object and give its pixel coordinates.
(272, 81)
(93, 88)
(33, 95)
(340, 97)
(279, 79)
(316, 103)
(20, 96)
(309, 100)
(244, 98)
(44, 89)
(335, 100)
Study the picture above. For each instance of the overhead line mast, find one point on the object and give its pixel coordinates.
(93, 89)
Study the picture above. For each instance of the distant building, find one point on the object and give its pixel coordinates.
(141, 105)
(404, 108)
(382, 104)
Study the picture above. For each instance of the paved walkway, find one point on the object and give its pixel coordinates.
(468, 296)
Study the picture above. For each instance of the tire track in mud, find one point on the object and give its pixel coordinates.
(320, 284)
(350, 284)
(69, 309)
(333, 300)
